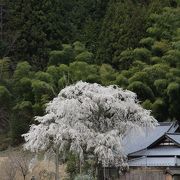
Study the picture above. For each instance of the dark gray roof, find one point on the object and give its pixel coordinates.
(154, 161)
(173, 128)
(158, 151)
(136, 141)
(174, 136)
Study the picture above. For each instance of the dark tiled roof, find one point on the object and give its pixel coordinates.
(147, 149)
(154, 161)
(136, 141)
(174, 136)
(158, 151)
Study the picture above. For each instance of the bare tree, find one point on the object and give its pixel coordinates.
(22, 162)
(9, 169)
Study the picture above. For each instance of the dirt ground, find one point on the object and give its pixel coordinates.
(42, 170)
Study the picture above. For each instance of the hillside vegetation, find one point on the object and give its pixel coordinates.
(50, 44)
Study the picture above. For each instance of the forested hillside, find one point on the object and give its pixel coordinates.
(49, 44)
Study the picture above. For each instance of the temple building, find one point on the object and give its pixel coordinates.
(154, 154)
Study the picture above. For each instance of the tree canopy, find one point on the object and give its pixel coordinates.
(89, 118)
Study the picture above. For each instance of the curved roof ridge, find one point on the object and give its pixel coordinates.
(176, 139)
(174, 126)
(134, 141)
(170, 133)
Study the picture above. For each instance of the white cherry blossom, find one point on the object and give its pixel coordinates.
(89, 118)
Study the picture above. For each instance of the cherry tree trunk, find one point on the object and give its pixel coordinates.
(57, 177)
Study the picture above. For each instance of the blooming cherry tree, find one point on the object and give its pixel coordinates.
(89, 118)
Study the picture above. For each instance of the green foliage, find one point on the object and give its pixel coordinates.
(78, 47)
(147, 42)
(83, 177)
(22, 116)
(5, 96)
(121, 81)
(160, 110)
(143, 91)
(5, 108)
(62, 83)
(172, 57)
(157, 80)
(3, 47)
(140, 76)
(161, 86)
(147, 104)
(157, 71)
(139, 65)
(61, 57)
(58, 57)
(142, 54)
(5, 141)
(79, 70)
(107, 74)
(63, 70)
(173, 90)
(85, 57)
(154, 32)
(53, 71)
(126, 59)
(43, 92)
(159, 48)
(43, 76)
(23, 88)
(22, 70)
(156, 60)
(4, 68)
(76, 52)
(72, 165)
(34, 29)
(165, 23)
(122, 28)
(133, 44)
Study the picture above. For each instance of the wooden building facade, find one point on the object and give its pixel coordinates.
(155, 155)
